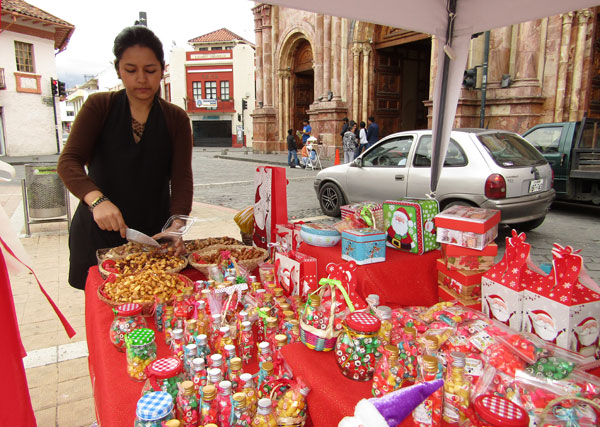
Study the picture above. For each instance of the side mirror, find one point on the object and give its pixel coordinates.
(357, 162)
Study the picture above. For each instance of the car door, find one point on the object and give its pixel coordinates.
(380, 173)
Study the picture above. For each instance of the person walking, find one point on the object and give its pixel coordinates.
(350, 142)
(362, 140)
(372, 132)
(292, 153)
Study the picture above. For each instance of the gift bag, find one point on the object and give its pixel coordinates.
(270, 203)
(296, 273)
(346, 274)
(409, 224)
(288, 234)
(565, 308)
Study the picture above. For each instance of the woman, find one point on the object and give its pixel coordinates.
(362, 140)
(349, 142)
(137, 148)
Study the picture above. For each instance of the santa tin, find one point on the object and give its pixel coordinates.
(356, 347)
(409, 224)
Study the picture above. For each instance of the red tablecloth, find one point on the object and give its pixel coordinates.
(404, 279)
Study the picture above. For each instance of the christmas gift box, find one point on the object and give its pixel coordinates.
(446, 294)
(364, 246)
(270, 204)
(565, 306)
(464, 282)
(503, 285)
(409, 224)
(459, 258)
(467, 226)
(368, 211)
(296, 273)
(288, 235)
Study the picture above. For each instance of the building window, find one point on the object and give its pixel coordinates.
(202, 48)
(211, 90)
(197, 90)
(216, 48)
(225, 90)
(24, 56)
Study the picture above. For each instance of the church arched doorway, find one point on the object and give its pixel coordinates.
(302, 82)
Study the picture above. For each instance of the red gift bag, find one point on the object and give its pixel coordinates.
(346, 273)
(296, 273)
(270, 204)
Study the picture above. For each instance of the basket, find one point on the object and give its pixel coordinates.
(105, 273)
(147, 307)
(201, 244)
(249, 264)
(276, 394)
(550, 407)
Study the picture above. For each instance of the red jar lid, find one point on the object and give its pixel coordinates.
(165, 367)
(130, 309)
(500, 411)
(363, 322)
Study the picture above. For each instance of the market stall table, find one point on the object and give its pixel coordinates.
(404, 279)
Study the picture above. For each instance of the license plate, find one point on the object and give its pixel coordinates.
(536, 185)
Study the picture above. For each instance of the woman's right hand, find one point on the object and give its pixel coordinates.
(109, 218)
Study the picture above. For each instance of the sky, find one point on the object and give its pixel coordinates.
(97, 22)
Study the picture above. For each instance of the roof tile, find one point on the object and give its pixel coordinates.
(220, 35)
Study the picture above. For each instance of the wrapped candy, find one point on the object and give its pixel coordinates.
(291, 407)
(246, 342)
(187, 405)
(249, 390)
(224, 403)
(264, 416)
(209, 407)
(407, 353)
(389, 374)
(241, 417)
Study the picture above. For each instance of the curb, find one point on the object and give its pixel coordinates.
(241, 159)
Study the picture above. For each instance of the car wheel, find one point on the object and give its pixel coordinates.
(330, 199)
(528, 225)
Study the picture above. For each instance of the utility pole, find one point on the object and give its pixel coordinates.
(54, 87)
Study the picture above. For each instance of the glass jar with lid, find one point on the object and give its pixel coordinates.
(141, 351)
(153, 409)
(356, 346)
(163, 375)
(128, 318)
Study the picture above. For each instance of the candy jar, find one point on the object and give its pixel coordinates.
(241, 417)
(429, 413)
(188, 298)
(264, 415)
(179, 312)
(356, 346)
(163, 375)
(159, 310)
(294, 332)
(215, 324)
(314, 301)
(280, 342)
(208, 406)
(189, 353)
(385, 331)
(407, 353)
(215, 376)
(224, 398)
(372, 301)
(456, 390)
(202, 349)
(246, 342)
(271, 324)
(229, 353)
(187, 405)
(285, 326)
(249, 389)
(291, 408)
(235, 370)
(265, 354)
(199, 376)
(191, 331)
(168, 319)
(128, 317)
(389, 374)
(202, 321)
(266, 376)
(177, 343)
(141, 351)
(216, 361)
(153, 409)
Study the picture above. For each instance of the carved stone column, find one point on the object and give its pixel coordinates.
(280, 104)
(563, 65)
(336, 47)
(365, 83)
(259, 57)
(344, 64)
(356, 49)
(326, 55)
(318, 58)
(267, 57)
(583, 17)
(286, 101)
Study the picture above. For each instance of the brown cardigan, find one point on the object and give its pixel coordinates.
(86, 131)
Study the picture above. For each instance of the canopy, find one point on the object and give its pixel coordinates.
(454, 29)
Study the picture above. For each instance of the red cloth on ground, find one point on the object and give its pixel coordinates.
(14, 394)
(404, 279)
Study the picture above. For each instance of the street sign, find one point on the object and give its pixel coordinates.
(204, 103)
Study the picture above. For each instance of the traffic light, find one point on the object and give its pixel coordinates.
(470, 78)
(54, 86)
(62, 90)
(244, 104)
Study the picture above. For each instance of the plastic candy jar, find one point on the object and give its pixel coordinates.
(356, 346)
(187, 405)
(251, 393)
(128, 317)
(141, 351)
(264, 416)
(163, 375)
(246, 342)
(225, 404)
(209, 406)
(241, 418)
(153, 409)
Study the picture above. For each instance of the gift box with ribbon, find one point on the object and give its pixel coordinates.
(370, 213)
(565, 306)
(503, 285)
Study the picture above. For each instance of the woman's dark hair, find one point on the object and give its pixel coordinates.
(362, 124)
(290, 131)
(141, 36)
(352, 123)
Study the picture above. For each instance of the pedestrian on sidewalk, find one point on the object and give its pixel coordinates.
(372, 132)
(292, 150)
(362, 140)
(345, 126)
(138, 150)
(350, 142)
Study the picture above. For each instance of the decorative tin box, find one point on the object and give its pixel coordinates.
(467, 226)
(409, 224)
(363, 245)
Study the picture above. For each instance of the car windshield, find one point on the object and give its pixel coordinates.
(511, 151)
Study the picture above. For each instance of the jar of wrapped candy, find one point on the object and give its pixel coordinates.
(356, 346)
(153, 409)
(141, 351)
(128, 317)
(163, 375)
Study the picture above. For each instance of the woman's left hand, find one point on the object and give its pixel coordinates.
(173, 241)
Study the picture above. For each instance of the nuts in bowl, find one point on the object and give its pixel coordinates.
(156, 261)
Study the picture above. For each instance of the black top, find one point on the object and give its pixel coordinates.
(291, 143)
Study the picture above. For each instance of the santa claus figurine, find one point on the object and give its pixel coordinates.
(397, 232)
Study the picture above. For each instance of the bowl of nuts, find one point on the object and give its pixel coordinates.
(245, 256)
(142, 288)
(157, 261)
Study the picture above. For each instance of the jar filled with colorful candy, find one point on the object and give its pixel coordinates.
(128, 317)
(356, 346)
(153, 409)
(164, 375)
(141, 351)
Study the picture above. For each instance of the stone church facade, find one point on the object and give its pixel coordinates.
(325, 68)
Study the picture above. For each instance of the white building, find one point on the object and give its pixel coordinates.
(29, 39)
(220, 68)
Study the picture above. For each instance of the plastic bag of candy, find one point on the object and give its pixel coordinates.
(406, 317)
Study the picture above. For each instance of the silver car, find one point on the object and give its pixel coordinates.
(491, 169)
